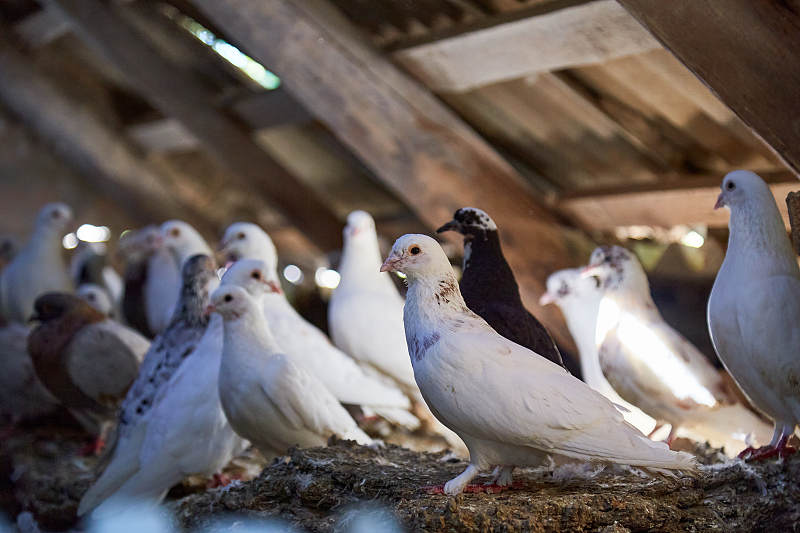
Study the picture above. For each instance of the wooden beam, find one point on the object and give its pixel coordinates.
(269, 109)
(578, 35)
(422, 152)
(744, 51)
(163, 135)
(42, 27)
(82, 139)
(672, 202)
(177, 94)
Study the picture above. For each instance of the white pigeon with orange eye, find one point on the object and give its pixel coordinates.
(267, 397)
(510, 408)
(37, 268)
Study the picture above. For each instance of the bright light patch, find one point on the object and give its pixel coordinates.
(693, 239)
(401, 275)
(252, 68)
(70, 241)
(327, 278)
(90, 233)
(294, 275)
(647, 347)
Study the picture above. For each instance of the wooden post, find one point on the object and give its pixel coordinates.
(424, 153)
(178, 95)
(793, 206)
(743, 50)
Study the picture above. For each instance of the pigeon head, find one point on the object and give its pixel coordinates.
(232, 303)
(615, 267)
(97, 297)
(198, 279)
(360, 227)
(244, 240)
(138, 244)
(253, 276)
(568, 284)
(742, 187)
(198, 271)
(55, 217)
(54, 305)
(470, 222)
(183, 240)
(417, 256)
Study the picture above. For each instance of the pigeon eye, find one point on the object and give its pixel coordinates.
(175, 232)
(731, 185)
(256, 274)
(55, 214)
(414, 250)
(228, 298)
(240, 236)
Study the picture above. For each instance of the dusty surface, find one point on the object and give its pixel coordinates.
(314, 488)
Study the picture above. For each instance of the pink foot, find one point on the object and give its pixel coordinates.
(93, 448)
(767, 452)
(474, 488)
(220, 480)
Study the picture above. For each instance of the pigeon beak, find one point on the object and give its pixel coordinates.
(274, 286)
(450, 226)
(589, 271)
(390, 265)
(210, 309)
(720, 201)
(547, 298)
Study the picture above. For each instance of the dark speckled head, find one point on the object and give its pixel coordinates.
(613, 265)
(469, 221)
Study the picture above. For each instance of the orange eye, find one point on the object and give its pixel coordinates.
(256, 274)
(240, 236)
(414, 250)
(175, 232)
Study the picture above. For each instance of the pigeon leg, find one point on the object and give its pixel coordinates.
(458, 483)
(219, 479)
(673, 430)
(502, 476)
(778, 447)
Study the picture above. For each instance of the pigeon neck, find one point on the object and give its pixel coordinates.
(249, 336)
(360, 266)
(581, 317)
(758, 239)
(192, 303)
(431, 299)
(487, 275)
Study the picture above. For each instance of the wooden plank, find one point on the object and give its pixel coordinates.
(744, 51)
(422, 152)
(579, 35)
(177, 94)
(83, 140)
(673, 202)
(42, 28)
(164, 135)
(269, 109)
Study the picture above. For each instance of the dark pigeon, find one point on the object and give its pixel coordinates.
(489, 287)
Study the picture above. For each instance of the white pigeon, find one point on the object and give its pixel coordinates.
(655, 368)
(579, 297)
(170, 423)
(268, 399)
(754, 308)
(302, 341)
(97, 297)
(39, 267)
(365, 314)
(510, 408)
(22, 395)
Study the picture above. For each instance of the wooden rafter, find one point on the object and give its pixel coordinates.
(409, 139)
(577, 35)
(673, 201)
(745, 51)
(175, 93)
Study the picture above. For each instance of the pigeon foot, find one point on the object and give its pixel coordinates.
(93, 448)
(220, 479)
(475, 488)
(781, 450)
